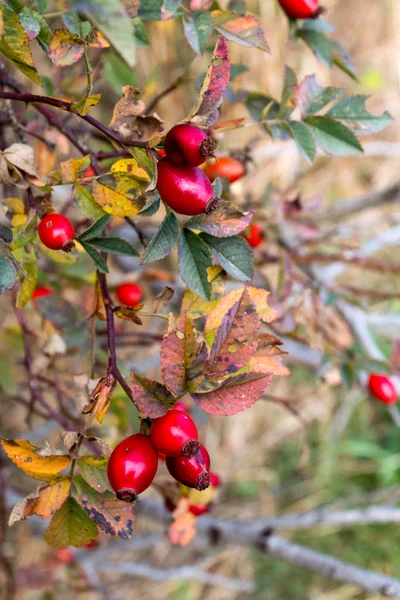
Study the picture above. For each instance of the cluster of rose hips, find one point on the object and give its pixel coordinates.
(301, 9)
(134, 461)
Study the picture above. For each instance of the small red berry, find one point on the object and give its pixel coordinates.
(192, 472)
(129, 294)
(56, 232)
(65, 556)
(215, 479)
(187, 190)
(225, 167)
(254, 236)
(132, 467)
(175, 434)
(161, 153)
(40, 292)
(381, 386)
(301, 9)
(198, 509)
(188, 146)
(89, 172)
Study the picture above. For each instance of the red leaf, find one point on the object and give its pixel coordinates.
(234, 395)
(151, 398)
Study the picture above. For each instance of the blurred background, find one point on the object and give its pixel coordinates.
(317, 439)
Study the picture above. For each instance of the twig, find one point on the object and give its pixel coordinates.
(138, 230)
(170, 88)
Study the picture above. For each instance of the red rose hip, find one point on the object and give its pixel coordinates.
(225, 167)
(40, 292)
(382, 387)
(129, 294)
(301, 9)
(132, 467)
(56, 232)
(215, 479)
(89, 172)
(192, 472)
(175, 434)
(254, 236)
(198, 509)
(187, 190)
(188, 146)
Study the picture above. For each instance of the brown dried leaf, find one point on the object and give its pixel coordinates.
(129, 314)
(44, 501)
(100, 398)
(69, 439)
(22, 157)
(128, 106)
(183, 357)
(183, 529)
(65, 48)
(224, 221)
(266, 359)
(234, 395)
(151, 398)
(162, 299)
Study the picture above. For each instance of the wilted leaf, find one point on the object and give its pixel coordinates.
(243, 29)
(164, 241)
(113, 516)
(198, 27)
(183, 529)
(21, 156)
(260, 299)
(162, 299)
(183, 357)
(224, 221)
(205, 111)
(233, 254)
(233, 341)
(234, 395)
(267, 357)
(70, 439)
(97, 40)
(128, 106)
(94, 472)
(151, 398)
(8, 274)
(73, 168)
(70, 526)
(196, 306)
(100, 398)
(65, 48)
(42, 502)
(113, 202)
(24, 455)
(194, 260)
(83, 107)
(127, 313)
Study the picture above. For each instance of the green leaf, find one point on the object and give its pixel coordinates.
(304, 139)
(117, 73)
(28, 285)
(233, 254)
(151, 206)
(42, 5)
(113, 245)
(353, 111)
(158, 10)
(198, 27)
(164, 241)
(8, 274)
(96, 256)
(111, 19)
(241, 28)
(261, 106)
(321, 46)
(343, 61)
(14, 44)
(288, 103)
(237, 70)
(94, 472)
(70, 526)
(29, 20)
(311, 97)
(140, 32)
(333, 137)
(194, 260)
(217, 186)
(87, 204)
(26, 233)
(95, 229)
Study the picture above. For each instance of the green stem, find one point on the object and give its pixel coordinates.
(88, 67)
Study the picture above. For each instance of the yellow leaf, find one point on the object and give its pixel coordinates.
(71, 169)
(260, 300)
(83, 108)
(131, 167)
(42, 502)
(98, 40)
(65, 48)
(23, 454)
(15, 204)
(114, 203)
(18, 220)
(183, 529)
(28, 284)
(100, 398)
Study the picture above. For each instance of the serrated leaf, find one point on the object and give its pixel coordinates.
(151, 206)
(113, 202)
(224, 221)
(205, 111)
(111, 19)
(74, 168)
(29, 278)
(99, 261)
(113, 516)
(95, 229)
(43, 502)
(164, 241)
(304, 140)
(194, 260)
(343, 61)
(321, 46)
(8, 274)
(114, 245)
(70, 526)
(333, 137)
(198, 27)
(130, 167)
(183, 357)
(234, 395)
(94, 472)
(14, 44)
(151, 398)
(267, 358)
(233, 254)
(288, 102)
(352, 110)
(243, 29)
(233, 342)
(65, 48)
(24, 455)
(86, 203)
(311, 97)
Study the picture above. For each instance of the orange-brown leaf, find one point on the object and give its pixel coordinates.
(183, 529)
(43, 502)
